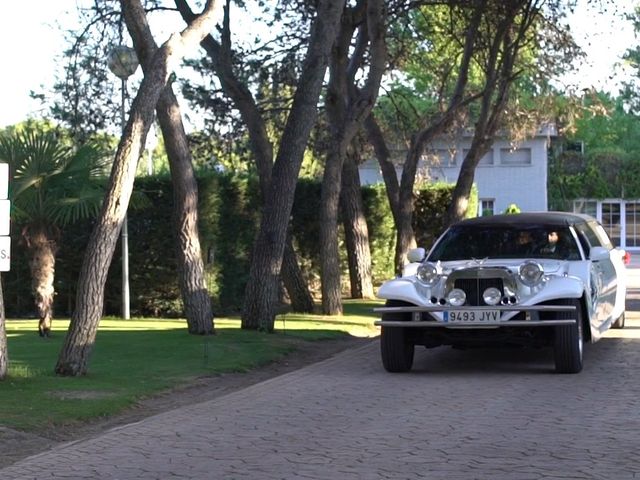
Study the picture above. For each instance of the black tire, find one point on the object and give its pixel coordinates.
(396, 351)
(619, 323)
(569, 340)
(395, 348)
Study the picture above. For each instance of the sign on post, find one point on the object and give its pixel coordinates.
(5, 210)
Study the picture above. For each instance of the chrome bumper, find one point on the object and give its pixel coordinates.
(417, 322)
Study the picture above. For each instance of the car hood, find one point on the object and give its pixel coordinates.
(549, 266)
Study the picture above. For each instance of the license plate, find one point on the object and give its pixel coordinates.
(464, 316)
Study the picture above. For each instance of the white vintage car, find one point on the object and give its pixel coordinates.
(548, 279)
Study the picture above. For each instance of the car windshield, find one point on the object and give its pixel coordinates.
(466, 242)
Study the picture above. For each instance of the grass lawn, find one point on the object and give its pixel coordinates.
(140, 357)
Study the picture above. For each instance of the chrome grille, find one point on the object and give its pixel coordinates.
(474, 287)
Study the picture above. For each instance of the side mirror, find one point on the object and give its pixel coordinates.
(598, 253)
(416, 255)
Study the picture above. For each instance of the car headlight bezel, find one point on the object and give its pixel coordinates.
(531, 273)
(457, 297)
(492, 296)
(428, 273)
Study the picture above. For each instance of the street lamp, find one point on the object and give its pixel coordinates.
(123, 62)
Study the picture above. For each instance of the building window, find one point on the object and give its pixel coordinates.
(487, 207)
(632, 219)
(487, 158)
(519, 156)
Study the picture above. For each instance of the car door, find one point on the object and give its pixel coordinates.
(595, 306)
(606, 273)
(618, 271)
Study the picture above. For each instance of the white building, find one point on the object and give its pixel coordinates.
(508, 174)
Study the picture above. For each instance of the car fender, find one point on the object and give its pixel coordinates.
(592, 288)
(406, 289)
(560, 287)
(402, 289)
(555, 288)
(617, 257)
(410, 269)
(574, 287)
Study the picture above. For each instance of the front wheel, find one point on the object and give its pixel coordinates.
(396, 350)
(395, 347)
(569, 340)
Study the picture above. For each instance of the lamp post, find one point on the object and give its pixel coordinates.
(123, 62)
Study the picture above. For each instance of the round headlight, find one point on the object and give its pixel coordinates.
(492, 296)
(427, 273)
(531, 273)
(456, 297)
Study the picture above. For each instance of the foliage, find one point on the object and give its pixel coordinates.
(153, 283)
(427, 48)
(599, 158)
(86, 97)
(630, 88)
(431, 204)
(382, 232)
(227, 234)
(229, 219)
(137, 358)
(305, 228)
(267, 63)
(221, 152)
(53, 182)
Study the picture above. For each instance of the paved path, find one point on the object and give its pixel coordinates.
(489, 414)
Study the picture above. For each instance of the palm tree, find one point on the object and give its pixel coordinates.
(52, 185)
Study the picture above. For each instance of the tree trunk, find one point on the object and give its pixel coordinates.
(356, 232)
(42, 263)
(330, 258)
(460, 197)
(78, 344)
(261, 147)
(401, 195)
(262, 288)
(4, 355)
(518, 16)
(388, 169)
(193, 288)
(294, 282)
(406, 239)
(347, 108)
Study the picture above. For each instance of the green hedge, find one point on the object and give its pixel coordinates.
(604, 173)
(229, 219)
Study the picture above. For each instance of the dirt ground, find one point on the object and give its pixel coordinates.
(16, 445)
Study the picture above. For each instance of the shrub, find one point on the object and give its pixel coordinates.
(228, 221)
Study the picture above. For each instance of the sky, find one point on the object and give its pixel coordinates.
(32, 42)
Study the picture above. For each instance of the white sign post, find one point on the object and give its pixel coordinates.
(5, 209)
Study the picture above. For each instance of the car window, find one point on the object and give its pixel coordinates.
(601, 233)
(536, 241)
(595, 235)
(584, 241)
(589, 235)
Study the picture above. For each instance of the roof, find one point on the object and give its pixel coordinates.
(528, 218)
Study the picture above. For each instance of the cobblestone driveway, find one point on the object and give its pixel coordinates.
(481, 414)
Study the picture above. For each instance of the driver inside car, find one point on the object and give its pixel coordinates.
(552, 243)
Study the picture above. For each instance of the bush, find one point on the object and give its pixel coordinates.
(228, 221)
